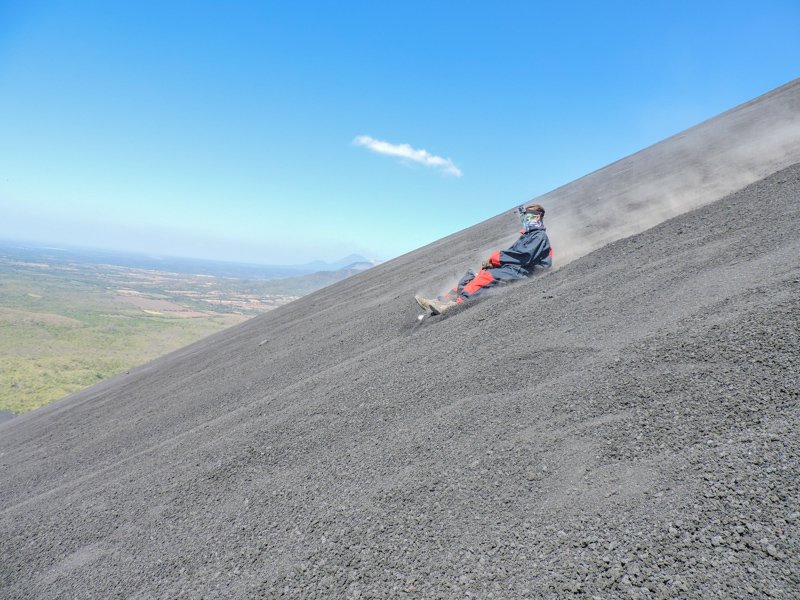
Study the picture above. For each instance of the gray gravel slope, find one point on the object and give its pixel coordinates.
(624, 426)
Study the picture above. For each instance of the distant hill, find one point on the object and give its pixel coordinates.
(26, 249)
(69, 319)
(301, 285)
(345, 262)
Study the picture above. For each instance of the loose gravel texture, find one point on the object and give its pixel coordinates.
(623, 427)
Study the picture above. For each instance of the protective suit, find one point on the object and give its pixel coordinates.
(530, 254)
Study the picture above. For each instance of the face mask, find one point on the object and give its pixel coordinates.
(529, 221)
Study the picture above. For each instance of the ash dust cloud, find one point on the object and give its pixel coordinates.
(682, 173)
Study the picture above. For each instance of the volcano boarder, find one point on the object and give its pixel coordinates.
(528, 256)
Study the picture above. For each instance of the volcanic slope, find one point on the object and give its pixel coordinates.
(626, 422)
(623, 426)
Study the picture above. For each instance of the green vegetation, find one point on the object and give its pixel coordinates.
(64, 327)
(54, 361)
(69, 319)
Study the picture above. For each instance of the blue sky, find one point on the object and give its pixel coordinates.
(281, 132)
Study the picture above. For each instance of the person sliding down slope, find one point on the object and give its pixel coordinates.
(529, 255)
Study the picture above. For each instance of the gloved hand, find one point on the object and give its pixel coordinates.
(487, 264)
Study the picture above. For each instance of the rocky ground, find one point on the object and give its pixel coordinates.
(623, 427)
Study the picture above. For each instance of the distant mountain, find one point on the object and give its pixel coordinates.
(31, 251)
(305, 284)
(346, 262)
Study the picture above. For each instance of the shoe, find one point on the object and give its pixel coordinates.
(437, 307)
(423, 302)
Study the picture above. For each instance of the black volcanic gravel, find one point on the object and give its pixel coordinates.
(623, 427)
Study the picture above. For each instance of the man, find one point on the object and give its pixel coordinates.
(529, 255)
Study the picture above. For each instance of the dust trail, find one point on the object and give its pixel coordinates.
(685, 172)
(689, 170)
(682, 173)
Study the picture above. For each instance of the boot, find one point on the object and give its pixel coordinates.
(423, 302)
(437, 307)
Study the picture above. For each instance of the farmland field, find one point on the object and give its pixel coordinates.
(67, 324)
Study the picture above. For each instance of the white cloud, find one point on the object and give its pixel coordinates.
(407, 152)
